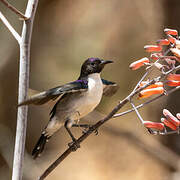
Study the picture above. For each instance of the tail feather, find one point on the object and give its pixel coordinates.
(39, 147)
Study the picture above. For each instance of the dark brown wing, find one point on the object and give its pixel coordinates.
(109, 87)
(52, 94)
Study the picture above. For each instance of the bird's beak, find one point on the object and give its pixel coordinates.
(103, 62)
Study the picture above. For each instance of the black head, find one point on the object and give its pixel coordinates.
(93, 65)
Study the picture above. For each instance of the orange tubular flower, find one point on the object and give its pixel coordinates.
(154, 56)
(154, 125)
(163, 42)
(171, 31)
(173, 83)
(137, 64)
(152, 48)
(155, 85)
(170, 117)
(171, 39)
(169, 124)
(174, 77)
(149, 92)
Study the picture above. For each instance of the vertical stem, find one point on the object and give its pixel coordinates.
(23, 87)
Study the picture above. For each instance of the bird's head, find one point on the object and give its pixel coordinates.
(93, 65)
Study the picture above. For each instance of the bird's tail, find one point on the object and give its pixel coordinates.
(39, 147)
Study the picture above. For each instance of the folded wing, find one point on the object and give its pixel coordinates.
(109, 88)
(54, 93)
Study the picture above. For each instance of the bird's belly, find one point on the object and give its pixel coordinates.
(87, 103)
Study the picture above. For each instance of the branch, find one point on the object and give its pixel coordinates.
(12, 8)
(147, 102)
(23, 88)
(10, 28)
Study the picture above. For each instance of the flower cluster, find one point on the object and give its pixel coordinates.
(160, 59)
(168, 120)
(164, 56)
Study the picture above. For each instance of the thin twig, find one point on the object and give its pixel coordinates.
(144, 76)
(137, 112)
(148, 102)
(10, 28)
(12, 8)
(23, 89)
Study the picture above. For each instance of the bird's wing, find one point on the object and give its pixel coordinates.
(52, 94)
(109, 87)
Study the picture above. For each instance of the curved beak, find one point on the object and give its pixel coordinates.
(103, 62)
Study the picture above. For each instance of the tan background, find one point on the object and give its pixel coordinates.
(65, 33)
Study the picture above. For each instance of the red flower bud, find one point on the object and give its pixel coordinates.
(169, 124)
(173, 83)
(137, 64)
(169, 61)
(171, 31)
(174, 77)
(152, 48)
(171, 39)
(154, 125)
(170, 117)
(162, 42)
(155, 85)
(155, 56)
(149, 92)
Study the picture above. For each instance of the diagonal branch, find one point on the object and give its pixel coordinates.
(10, 28)
(12, 8)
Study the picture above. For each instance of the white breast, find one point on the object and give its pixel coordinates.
(93, 95)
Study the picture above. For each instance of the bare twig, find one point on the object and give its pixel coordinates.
(10, 28)
(12, 8)
(137, 112)
(146, 103)
(23, 88)
(143, 77)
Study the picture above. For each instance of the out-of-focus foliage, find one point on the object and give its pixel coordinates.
(66, 33)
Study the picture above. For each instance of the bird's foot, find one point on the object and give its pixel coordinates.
(74, 145)
(96, 132)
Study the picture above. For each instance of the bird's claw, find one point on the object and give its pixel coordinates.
(87, 129)
(74, 145)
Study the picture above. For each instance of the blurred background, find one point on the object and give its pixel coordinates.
(65, 33)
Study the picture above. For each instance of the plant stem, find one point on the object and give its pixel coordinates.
(10, 28)
(23, 88)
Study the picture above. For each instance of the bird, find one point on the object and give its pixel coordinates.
(74, 100)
